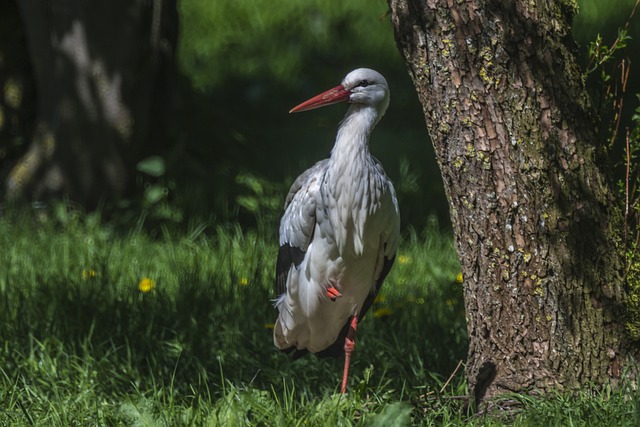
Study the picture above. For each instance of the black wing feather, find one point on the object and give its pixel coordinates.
(287, 256)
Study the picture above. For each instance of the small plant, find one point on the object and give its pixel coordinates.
(262, 199)
(630, 187)
(627, 165)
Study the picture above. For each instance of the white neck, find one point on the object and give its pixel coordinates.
(352, 141)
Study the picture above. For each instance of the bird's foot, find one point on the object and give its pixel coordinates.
(333, 293)
(349, 346)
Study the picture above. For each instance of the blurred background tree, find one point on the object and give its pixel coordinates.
(224, 146)
(98, 77)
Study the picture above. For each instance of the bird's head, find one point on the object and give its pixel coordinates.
(363, 86)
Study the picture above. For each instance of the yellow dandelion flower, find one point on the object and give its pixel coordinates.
(88, 273)
(244, 281)
(269, 325)
(382, 312)
(145, 285)
(404, 259)
(459, 278)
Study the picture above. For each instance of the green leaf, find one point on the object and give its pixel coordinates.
(249, 203)
(153, 166)
(396, 414)
(154, 193)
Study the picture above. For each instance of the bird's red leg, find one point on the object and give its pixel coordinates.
(349, 346)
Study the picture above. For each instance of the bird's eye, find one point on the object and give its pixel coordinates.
(364, 83)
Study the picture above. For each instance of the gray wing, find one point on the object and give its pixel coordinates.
(298, 222)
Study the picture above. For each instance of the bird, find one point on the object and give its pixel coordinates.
(339, 232)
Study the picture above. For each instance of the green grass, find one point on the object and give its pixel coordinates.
(81, 344)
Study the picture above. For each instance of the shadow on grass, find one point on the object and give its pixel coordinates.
(206, 333)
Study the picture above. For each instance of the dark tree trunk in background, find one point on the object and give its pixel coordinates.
(102, 73)
(534, 219)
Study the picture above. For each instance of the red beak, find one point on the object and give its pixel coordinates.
(332, 96)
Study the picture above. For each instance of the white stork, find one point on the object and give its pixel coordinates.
(339, 232)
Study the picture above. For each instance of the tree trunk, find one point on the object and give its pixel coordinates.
(534, 218)
(101, 73)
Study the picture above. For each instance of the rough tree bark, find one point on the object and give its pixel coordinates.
(533, 216)
(101, 72)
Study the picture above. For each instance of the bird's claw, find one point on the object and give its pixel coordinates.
(349, 345)
(333, 293)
